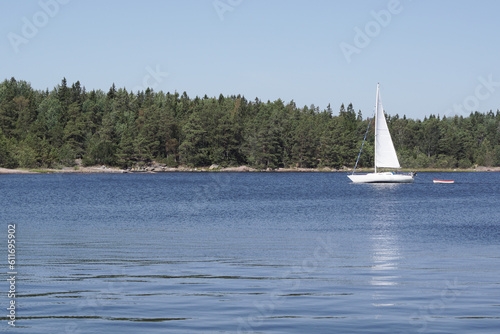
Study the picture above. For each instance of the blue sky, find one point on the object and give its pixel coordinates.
(430, 57)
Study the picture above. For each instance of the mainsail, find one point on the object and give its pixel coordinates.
(385, 154)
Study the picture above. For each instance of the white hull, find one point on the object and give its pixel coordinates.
(385, 177)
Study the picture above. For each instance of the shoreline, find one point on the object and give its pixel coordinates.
(240, 169)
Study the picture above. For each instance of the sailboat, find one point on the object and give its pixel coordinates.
(385, 153)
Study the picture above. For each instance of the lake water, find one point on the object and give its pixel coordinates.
(252, 253)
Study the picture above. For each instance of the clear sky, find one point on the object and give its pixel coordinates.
(430, 57)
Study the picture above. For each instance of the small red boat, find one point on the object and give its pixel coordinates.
(443, 181)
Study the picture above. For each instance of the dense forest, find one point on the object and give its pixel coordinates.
(121, 128)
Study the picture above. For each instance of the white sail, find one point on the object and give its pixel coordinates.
(385, 154)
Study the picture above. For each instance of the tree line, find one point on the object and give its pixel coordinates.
(124, 128)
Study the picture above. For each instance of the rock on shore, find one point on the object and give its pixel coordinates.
(14, 171)
(82, 170)
(238, 169)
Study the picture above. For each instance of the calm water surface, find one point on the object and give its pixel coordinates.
(253, 253)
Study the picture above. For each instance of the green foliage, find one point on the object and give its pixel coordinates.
(100, 152)
(7, 159)
(120, 128)
(25, 156)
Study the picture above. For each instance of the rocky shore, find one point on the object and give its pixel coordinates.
(82, 170)
(159, 168)
(15, 171)
(217, 168)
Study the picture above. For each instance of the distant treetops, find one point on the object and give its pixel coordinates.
(122, 128)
